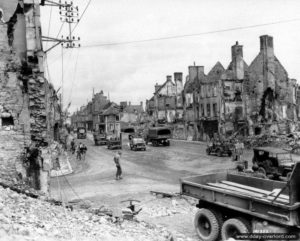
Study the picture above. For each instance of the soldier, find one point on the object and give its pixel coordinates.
(117, 158)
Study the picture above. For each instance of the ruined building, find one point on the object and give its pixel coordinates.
(270, 95)
(241, 99)
(28, 103)
(166, 105)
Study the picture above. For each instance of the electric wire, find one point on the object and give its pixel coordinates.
(193, 35)
(86, 7)
(74, 76)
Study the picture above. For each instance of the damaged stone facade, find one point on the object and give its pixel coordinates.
(241, 99)
(270, 93)
(28, 103)
(166, 106)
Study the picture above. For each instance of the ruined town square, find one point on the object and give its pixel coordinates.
(140, 120)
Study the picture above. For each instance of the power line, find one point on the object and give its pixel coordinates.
(60, 29)
(49, 24)
(86, 7)
(74, 76)
(192, 35)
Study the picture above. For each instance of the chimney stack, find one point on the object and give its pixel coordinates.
(267, 51)
(169, 77)
(196, 72)
(237, 60)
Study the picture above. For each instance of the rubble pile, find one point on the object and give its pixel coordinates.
(25, 218)
(168, 207)
(283, 141)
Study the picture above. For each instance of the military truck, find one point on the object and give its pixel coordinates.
(232, 205)
(100, 138)
(81, 133)
(158, 136)
(137, 143)
(273, 161)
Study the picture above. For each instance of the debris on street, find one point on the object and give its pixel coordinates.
(25, 218)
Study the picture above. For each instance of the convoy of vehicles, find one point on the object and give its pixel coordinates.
(158, 136)
(231, 204)
(273, 161)
(81, 133)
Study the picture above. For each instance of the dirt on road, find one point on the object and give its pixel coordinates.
(156, 169)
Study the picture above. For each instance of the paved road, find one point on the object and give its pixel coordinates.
(157, 168)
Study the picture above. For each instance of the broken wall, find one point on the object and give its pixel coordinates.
(14, 109)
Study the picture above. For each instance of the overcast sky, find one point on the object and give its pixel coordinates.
(130, 71)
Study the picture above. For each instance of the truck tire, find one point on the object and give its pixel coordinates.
(219, 152)
(262, 170)
(234, 226)
(207, 225)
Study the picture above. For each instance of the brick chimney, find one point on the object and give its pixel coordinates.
(237, 60)
(267, 52)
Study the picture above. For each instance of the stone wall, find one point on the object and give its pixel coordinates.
(28, 103)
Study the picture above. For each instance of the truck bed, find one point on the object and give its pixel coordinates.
(250, 195)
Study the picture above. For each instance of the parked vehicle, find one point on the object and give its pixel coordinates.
(137, 143)
(100, 139)
(81, 133)
(158, 136)
(273, 161)
(231, 204)
(219, 148)
(114, 143)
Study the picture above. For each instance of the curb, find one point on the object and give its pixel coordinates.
(175, 141)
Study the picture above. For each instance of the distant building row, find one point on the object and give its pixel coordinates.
(254, 99)
(104, 116)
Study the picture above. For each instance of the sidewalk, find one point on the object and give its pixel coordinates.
(176, 141)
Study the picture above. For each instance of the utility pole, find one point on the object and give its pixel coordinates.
(68, 14)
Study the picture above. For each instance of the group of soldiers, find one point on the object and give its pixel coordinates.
(79, 149)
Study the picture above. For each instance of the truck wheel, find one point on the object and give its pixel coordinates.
(234, 226)
(207, 225)
(262, 170)
(207, 151)
(219, 152)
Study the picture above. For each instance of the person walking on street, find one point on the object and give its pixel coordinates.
(117, 158)
(83, 150)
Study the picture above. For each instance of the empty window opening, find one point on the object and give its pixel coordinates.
(7, 121)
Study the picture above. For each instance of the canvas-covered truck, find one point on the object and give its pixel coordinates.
(158, 136)
(231, 205)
